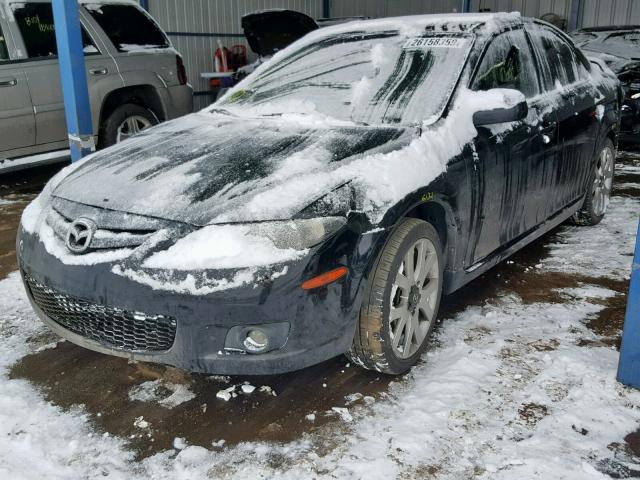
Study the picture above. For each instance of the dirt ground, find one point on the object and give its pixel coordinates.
(68, 375)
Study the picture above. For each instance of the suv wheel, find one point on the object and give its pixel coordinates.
(124, 122)
(401, 302)
(597, 198)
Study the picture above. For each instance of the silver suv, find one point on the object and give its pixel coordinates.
(136, 79)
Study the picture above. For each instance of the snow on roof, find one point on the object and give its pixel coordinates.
(454, 21)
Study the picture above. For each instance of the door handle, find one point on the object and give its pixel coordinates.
(98, 71)
(8, 82)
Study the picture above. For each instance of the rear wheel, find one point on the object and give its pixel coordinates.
(597, 198)
(401, 302)
(124, 122)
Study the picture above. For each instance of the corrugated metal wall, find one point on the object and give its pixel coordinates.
(196, 26)
(610, 12)
(529, 8)
(389, 8)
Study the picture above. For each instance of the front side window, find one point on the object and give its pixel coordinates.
(560, 64)
(35, 21)
(372, 77)
(127, 27)
(4, 53)
(508, 63)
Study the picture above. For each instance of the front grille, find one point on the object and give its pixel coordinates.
(111, 327)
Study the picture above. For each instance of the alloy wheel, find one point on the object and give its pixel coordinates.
(131, 126)
(602, 182)
(414, 295)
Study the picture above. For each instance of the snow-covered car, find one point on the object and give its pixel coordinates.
(619, 47)
(326, 203)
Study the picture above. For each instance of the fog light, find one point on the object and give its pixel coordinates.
(256, 341)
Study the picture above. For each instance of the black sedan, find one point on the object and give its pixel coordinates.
(619, 48)
(325, 204)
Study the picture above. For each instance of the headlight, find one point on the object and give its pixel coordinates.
(299, 234)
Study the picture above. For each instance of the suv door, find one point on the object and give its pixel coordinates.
(34, 20)
(573, 97)
(511, 159)
(17, 123)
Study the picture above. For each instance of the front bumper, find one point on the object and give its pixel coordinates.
(321, 322)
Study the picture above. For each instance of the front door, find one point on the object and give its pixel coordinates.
(17, 124)
(510, 159)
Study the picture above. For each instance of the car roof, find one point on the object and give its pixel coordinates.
(453, 22)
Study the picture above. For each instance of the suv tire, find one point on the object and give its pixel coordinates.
(124, 122)
(401, 302)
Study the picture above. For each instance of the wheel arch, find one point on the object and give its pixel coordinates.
(143, 95)
(440, 215)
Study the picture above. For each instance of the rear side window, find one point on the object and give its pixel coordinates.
(127, 27)
(560, 63)
(35, 21)
(4, 54)
(508, 63)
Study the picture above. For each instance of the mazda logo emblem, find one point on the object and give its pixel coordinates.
(80, 235)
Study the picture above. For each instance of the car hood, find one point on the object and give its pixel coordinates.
(269, 31)
(213, 168)
(619, 60)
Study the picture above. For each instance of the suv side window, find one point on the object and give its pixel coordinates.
(35, 21)
(4, 53)
(560, 62)
(508, 63)
(127, 26)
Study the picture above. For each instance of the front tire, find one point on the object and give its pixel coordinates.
(597, 198)
(401, 302)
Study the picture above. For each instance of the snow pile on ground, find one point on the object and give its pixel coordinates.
(39, 440)
(583, 251)
(167, 394)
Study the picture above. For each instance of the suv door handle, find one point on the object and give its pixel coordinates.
(8, 82)
(98, 71)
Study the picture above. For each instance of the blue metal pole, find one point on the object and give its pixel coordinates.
(145, 4)
(629, 367)
(466, 6)
(74, 78)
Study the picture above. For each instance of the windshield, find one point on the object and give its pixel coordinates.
(370, 77)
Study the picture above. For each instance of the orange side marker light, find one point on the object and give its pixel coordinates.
(325, 278)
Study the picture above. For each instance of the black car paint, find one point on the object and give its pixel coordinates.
(478, 229)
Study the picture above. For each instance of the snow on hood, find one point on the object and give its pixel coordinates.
(210, 168)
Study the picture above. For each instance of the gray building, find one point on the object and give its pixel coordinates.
(198, 27)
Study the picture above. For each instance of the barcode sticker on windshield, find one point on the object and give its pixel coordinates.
(435, 42)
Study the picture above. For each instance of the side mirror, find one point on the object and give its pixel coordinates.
(501, 115)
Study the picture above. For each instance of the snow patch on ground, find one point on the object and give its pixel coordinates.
(167, 394)
(604, 250)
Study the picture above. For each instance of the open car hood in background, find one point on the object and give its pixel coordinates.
(269, 31)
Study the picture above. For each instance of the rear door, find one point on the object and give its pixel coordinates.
(576, 101)
(510, 158)
(17, 123)
(34, 20)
